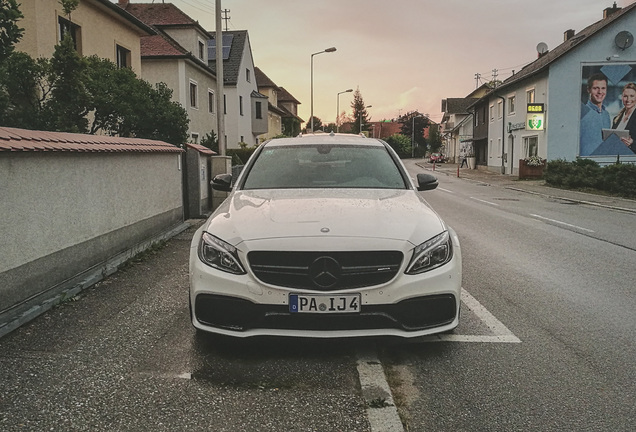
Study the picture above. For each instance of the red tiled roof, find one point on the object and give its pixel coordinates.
(159, 14)
(160, 45)
(201, 149)
(16, 140)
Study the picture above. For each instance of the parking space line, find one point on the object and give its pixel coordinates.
(381, 410)
(501, 333)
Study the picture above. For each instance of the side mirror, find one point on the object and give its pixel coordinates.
(222, 182)
(426, 182)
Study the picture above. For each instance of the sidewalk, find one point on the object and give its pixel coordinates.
(530, 186)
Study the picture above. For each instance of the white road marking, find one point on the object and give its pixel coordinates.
(381, 410)
(445, 190)
(501, 333)
(487, 202)
(561, 223)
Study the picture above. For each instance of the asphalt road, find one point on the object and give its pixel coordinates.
(545, 341)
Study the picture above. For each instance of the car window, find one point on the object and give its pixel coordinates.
(324, 166)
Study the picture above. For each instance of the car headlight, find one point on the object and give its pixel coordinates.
(219, 254)
(431, 254)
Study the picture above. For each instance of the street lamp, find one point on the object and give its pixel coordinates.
(368, 106)
(338, 109)
(328, 50)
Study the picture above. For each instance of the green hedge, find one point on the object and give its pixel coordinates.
(617, 179)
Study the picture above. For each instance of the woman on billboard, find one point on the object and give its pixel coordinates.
(626, 120)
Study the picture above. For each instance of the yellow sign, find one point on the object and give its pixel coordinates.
(535, 122)
(535, 108)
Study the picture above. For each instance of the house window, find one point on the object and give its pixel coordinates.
(241, 105)
(476, 117)
(224, 104)
(492, 113)
(248, 75)
(499, 108)
(530, 96)
(193, 94)
(242, 138)
(511, 105)
(66, 27)
(210, 101)
(259, 110)
(201, 50)
(531, 146)
(123, 57)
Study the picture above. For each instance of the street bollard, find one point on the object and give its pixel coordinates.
(457, 170)
(433, 165)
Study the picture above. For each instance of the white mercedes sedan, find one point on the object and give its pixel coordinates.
(325, 236)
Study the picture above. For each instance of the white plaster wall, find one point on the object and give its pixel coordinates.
(52, 201)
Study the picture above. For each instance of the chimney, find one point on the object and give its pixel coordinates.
(122, 3)
(609, 11)
(566, 36)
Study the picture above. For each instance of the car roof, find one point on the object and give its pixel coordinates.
(324, 138)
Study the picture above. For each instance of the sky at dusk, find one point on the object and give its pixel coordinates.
(402, 55)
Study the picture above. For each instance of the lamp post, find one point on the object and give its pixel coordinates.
(338, 109)
(328, 50)
(368, 106)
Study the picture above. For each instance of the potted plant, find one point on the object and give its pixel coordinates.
(531, 167)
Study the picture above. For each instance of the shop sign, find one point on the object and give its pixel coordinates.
(516, 126)
(535, 122)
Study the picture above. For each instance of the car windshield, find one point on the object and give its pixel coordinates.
(324, 166)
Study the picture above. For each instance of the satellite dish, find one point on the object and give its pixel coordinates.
(542, 47)
(624, 39)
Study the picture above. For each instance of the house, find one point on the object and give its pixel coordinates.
(178, 56)
(456, 126)
(98, 27)
(241, 98)
(542, 109)
(292, 124)
(268, 88)
(282, 110)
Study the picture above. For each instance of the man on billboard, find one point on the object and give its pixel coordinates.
(594, 115)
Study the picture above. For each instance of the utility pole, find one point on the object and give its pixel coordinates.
(477, 78)
(494, 77)
(220, 113)
(226, 17)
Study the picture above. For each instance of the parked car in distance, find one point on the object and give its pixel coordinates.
(437, 158)
(325, 236)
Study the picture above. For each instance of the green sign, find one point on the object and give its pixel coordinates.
(535, 122)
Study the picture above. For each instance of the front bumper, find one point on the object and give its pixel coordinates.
(406, 306)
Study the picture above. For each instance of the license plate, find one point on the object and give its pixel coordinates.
(299, 303)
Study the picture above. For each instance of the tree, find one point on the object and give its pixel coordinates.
(210, 141)
(317, 123)
(360, 114)
(10, 33)
(412, 126)
(291, 126)
(66, 108)
(401, 144)
(23, 89)
(434, 138)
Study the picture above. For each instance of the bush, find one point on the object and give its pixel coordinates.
(618, 179)
(401, 144)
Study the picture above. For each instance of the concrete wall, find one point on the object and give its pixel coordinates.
(64, 214)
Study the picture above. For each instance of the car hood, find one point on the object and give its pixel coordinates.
(361, 213)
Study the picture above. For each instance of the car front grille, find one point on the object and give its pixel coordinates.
(325, 271)
(409, 315)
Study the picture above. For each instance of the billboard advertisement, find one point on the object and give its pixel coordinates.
(608, 99)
